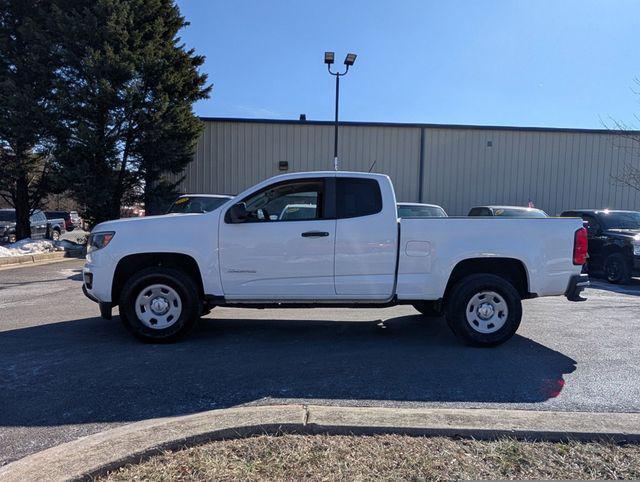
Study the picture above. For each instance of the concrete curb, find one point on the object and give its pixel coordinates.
(35, 258)
(95, 454)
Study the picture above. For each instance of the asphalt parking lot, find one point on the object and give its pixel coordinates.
(64, 372)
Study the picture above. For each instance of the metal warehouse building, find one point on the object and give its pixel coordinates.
(455, 166)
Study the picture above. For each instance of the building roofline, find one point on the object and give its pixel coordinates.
(417, 125)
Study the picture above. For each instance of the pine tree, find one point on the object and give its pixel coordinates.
(28, 63)
(169, 129)
(125, 96)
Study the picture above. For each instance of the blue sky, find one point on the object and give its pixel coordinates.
(556, 63)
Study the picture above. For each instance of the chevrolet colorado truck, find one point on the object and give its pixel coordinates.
(349, 250)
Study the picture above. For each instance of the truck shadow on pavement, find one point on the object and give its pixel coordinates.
(91, 370)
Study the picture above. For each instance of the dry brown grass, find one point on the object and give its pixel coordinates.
(387, 457)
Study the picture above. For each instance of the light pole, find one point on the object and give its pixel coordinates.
(348, 62)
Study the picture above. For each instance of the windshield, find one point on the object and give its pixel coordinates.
(196, 204)
(520, 213)
(8, 215)
(620, 220)
(406, 211)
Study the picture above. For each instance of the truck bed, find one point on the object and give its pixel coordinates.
(431, 248)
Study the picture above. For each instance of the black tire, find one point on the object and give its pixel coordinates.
(185, 288)
(428, 308)
(617, 269)
(462, 294)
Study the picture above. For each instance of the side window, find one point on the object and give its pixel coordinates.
(357, 197)
(299, 200)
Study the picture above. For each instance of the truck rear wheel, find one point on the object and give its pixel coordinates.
(484, 310)
(616, 269)
(159, 304)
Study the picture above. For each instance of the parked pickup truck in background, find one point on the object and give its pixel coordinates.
(41, 227)
(614, 242)
(351, 250)
(70, 218)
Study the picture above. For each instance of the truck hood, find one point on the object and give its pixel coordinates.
(142, 222)
(180, 233)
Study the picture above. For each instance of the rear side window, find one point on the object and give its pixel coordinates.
(357, 197)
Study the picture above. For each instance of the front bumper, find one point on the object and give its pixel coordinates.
(105, 308)
(577, 283)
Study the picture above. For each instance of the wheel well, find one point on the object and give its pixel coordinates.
(511, 269)
(617, 249)
(133, 263)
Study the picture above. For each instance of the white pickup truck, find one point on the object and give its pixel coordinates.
(351, 250)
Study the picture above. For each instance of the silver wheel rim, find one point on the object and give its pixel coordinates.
(158, 306)
(487, 312)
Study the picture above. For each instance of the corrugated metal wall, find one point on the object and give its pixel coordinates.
(555, 170)
(232, 156)
(462, 167)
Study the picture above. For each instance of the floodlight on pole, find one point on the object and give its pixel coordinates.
(349, 60)
(328, 58)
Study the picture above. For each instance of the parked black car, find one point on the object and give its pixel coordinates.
(614, 242)
(41, 227)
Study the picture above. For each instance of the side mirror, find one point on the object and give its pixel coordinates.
(238, 213)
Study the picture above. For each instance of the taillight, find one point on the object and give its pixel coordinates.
(580, 246)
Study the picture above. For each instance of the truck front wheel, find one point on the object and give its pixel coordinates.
(484, 310)
(159, 304)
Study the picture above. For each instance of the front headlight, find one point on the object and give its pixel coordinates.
(99, 240)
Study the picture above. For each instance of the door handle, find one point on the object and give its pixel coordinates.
(314, 234)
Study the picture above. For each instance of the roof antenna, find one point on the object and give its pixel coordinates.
(372, 166)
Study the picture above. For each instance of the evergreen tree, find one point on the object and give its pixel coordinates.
(168, 128)
(28, 63)
(125, 95)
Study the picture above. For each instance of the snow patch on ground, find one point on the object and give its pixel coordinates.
(29, 246)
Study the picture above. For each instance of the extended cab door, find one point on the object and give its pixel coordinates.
(366, 237)
(284, 248)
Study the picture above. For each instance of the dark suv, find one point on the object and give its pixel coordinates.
(614, 242)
